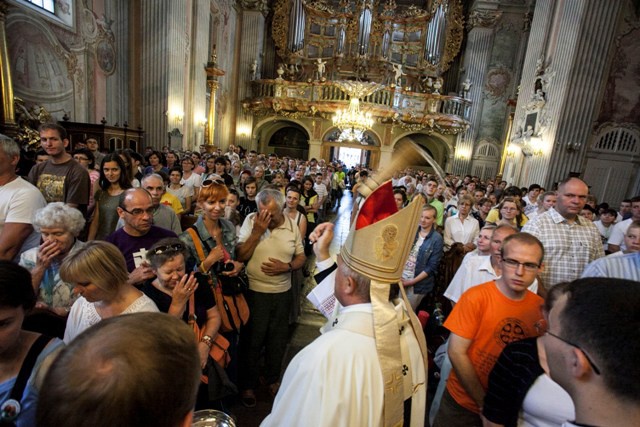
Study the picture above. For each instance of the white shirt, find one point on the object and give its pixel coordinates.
(83, 315)
(456, 230)
(475, 271)
(19, 201)
(618, 232)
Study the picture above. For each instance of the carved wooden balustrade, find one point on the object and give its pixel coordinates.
(410, 110)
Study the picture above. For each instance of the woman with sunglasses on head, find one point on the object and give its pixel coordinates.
(217, 239)
(114, 179)
(172, 290)
(216, 234)
(99, 274)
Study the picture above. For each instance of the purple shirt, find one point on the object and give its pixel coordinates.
(134, 248)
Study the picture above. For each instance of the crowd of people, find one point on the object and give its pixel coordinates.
(222, 241)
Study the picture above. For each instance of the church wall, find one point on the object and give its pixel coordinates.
(67, 63)
(224, 27)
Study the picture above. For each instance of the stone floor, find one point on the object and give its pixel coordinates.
(306, 329)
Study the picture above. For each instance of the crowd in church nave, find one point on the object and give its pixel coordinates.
(94, 245)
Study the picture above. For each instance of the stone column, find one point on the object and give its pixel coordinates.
(570, 41)
(252, 42)
(482, 22)
(315, 148)
(117, 108)
(163, 64)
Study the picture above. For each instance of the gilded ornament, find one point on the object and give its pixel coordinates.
(387, 243)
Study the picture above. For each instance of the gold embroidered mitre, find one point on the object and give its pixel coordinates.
(377, 247)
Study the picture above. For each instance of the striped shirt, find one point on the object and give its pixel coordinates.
(568, 247)
(621, 267)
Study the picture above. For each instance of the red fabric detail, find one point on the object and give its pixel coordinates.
(379, 205)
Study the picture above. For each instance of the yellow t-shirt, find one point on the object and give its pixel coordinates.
(173, 202)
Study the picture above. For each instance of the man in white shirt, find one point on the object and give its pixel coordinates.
(616, 240)
(18, 202)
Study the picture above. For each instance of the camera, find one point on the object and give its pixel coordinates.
(221, 266)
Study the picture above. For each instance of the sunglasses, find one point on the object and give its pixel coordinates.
(177, 247)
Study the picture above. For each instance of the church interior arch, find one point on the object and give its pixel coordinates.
(433, 146)
(285, 138)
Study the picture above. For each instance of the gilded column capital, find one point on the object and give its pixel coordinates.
(257, 5)
(483, 18)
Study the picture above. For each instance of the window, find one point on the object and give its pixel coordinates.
(45, 4)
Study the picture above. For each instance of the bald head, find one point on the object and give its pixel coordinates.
(136, 210)
(572, 196)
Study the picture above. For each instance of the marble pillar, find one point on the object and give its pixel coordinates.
(482, 22)
(117, 108)
(569, 44)
(251, 45)
(163, 63)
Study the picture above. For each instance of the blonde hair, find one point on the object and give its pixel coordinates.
(97, 262)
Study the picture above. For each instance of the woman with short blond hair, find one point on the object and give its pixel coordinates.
(99, 275)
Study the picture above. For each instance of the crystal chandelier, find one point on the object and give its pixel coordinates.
(351, 121)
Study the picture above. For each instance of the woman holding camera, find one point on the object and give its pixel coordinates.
(217, 235)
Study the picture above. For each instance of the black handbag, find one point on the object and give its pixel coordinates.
(234, 285)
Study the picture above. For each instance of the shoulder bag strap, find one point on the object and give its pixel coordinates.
(27, 366)
(197, 242)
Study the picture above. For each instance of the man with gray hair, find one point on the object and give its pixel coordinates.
(163, 215)
(270, 244)
(18, 202)
(139, 369)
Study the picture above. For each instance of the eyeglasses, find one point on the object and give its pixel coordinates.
(528, 266)
(177, 247)
(208, 182)
(139, 212)
(593, 365)
(80, 158)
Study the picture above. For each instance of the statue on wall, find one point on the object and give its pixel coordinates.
(254, 69)
(466, 87)
(398, 73)
(320, 67)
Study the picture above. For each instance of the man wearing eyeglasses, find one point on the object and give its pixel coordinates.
(485, 319)
(592, 350)
(136, 210)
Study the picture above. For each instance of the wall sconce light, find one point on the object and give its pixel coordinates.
(464, 154)
(572, 146)
(175, 114)
(200, 121)
(512, 151)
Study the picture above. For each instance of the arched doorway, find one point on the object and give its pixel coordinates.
(365, 152)
(437, 149)
(285, 139)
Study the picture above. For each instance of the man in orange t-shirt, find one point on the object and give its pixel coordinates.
(483, 322)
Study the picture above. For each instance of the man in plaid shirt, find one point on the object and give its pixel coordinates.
(570, 242)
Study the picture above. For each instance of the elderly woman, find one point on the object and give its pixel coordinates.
(173, 287)
(99, 275)
(59, 226)
(16, 299)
